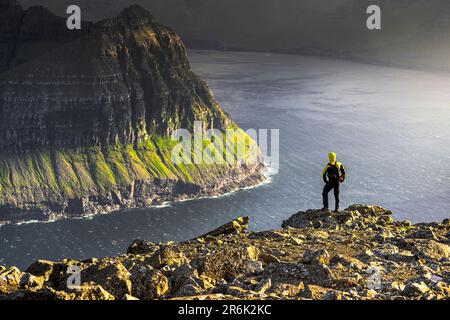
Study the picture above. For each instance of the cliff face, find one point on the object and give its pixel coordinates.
(86, 115)
(361, 253)
(126, 78)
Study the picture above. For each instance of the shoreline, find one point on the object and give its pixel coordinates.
(253, 180)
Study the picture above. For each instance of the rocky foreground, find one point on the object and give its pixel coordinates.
(361, 253)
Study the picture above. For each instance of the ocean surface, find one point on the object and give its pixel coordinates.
(390, 128)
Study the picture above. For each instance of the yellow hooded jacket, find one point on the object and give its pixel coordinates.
(333, 168)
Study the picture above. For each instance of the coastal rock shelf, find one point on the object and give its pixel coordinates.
(361, 253)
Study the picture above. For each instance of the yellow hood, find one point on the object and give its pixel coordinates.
(332, 157)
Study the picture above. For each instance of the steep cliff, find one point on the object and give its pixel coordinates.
(85, 119)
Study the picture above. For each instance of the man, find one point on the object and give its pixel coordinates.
(333, 175)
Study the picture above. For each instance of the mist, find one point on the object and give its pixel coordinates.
(414, 33)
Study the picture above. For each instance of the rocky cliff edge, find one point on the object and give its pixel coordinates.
(361, 253)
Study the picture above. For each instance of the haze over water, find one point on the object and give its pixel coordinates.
(390, 128)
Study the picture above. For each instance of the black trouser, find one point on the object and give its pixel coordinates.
(328, 187)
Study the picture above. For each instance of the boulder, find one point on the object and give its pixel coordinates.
(237, 226)
(286, 290)
(28, 281)
(141, 247)
(41, 268)
(148, 283)
(415, 289)
(167, 255)
(10, 280)
(432, 250)
(422, 233)
(54, 274)
(112, 276)
(227, 263)
(92, 291)
(316, 257)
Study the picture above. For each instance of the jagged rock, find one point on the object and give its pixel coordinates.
(402, 257)
(348, 282)
(185, 275)
(39, 295)
(252, 267)
(269, 235)
(385, 250)
(112, 276)
(189, 289)
(338, 295)
(141, 247)
(319, 274)
(348, 262)
(314, 292)
(316, 257)
(294, 273)
(268, 258)
(431, 249)
(91, 291)
(238, 291)
(414, 289)
(238, 225)
(369, 210)
(383, 236)
(41, 268)
(228, 263)
(286, 289)
(328, 219)
(263, 286)
(54, 274)
(261, 265)
(423, 233)
(167, 255)
(147, 283)
(28, 281)
(397, 286)
(9, 280)
(366, 256)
